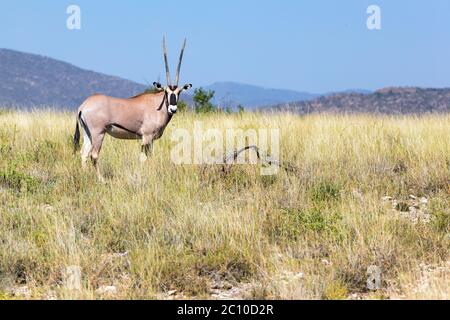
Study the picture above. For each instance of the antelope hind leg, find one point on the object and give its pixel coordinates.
(95, 151)
(85, 150)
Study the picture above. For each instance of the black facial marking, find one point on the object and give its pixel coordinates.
(173, 99)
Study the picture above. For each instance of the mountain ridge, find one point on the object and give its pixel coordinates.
(389, 100)
(232, 94)
(33, 80)
(29, 80)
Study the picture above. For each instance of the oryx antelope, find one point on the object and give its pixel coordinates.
(142, 117)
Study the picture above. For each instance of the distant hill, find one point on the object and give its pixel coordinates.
(393, 100)
(232, 94)
(29, 80)
(33, 81)
(362, 91)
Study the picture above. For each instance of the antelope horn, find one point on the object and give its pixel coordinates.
(166, 62)
(179, 63)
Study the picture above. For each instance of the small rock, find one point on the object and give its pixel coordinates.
(412, 197)
(51, 295)
(72, 278)
(214, 291)
(374, 277)
(423, 200)
(357, 194)
(23, 292)
(121, 254)
(106, 290)
(386, 198)
(326, 262)
(289, 276)
(47, 207)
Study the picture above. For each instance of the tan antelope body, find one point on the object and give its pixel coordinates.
(142, 117)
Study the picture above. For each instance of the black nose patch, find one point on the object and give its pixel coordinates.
(173, 99)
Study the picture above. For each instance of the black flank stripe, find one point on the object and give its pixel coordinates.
(123, 128)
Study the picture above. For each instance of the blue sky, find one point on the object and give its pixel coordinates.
(316, 46)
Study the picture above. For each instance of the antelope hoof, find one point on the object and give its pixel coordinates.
(142, 158)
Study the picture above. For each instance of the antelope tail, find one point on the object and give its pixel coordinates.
(76, 138)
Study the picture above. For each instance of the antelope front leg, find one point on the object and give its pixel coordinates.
(146, 148)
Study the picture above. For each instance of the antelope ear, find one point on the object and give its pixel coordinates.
(187, 86)
(157, 85)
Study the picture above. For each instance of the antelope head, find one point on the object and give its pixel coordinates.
(172, 91)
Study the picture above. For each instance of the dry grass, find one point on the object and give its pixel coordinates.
(309, 235)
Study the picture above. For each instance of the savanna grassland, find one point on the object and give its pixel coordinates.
(367, 191)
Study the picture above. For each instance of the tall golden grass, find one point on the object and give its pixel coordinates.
(160, 227)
